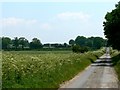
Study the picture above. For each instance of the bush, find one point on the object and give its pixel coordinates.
(78, 49)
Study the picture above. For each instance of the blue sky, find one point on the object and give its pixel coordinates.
(54, 22)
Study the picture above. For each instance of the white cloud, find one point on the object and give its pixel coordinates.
(45, 26)
(12, 21)
(24, 23)
(73, 16)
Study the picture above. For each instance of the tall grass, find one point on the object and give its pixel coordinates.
(42, 70)
(0, 69)
(116, 62)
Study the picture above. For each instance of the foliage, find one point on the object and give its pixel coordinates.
(5, 42)
(0, 43)
(112, 27)
(20, 43)
(15, 42)
(80, 40)
(78, 49)
(90, 42)
(24, 42)
(116, 62)
(35, 44)
(98, 42)
(71, 42)
(35, 69)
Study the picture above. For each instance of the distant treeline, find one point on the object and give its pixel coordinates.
(22, 43)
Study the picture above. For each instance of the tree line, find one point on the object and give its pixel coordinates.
(19, 43)
(22, 43)
(83, 44)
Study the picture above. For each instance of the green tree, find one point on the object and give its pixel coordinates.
(6, 41)
(23, 42)
(89, 42)
(0, 43)
(112, 27)
(35, 44)
(71, 42)
(80, 40)
(15, 42)
(98, 42)
(65, 45)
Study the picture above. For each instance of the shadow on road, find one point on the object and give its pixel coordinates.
(102, 62)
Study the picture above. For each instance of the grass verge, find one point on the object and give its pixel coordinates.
(116, 62)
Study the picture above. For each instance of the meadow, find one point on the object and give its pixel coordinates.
(43, 69)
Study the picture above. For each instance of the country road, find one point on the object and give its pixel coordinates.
(99, 74)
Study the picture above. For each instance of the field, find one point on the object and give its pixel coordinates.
(42, 69)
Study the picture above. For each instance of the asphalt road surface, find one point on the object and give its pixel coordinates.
(99, 74)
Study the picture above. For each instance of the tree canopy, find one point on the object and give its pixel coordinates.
(80, 40)
(5, 42)
(90, 42)
(35, 44)
(23, 42)
(71, 42)
(112, 27)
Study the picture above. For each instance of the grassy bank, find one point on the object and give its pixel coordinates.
(42, 69)
(116, 62)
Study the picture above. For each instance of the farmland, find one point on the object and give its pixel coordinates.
(42, 69)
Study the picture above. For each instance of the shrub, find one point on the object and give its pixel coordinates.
(78, 49)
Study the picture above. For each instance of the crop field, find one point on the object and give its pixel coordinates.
(42, 69)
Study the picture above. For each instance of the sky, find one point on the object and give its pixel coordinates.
(53, 21)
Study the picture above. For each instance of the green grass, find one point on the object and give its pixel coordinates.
(116, 62)
(0, 69)
(36, 69)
